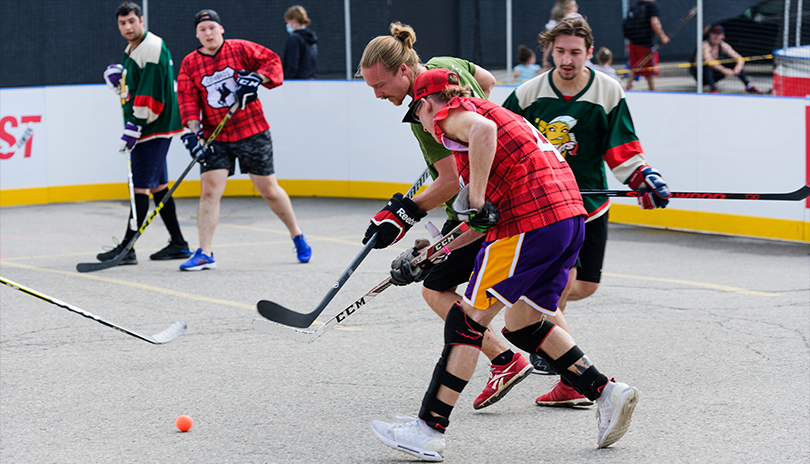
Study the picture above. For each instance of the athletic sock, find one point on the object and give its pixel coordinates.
(503, 358)
(141, 208)
(169, 216)
(566, 383)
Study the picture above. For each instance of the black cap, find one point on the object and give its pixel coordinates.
(717, 29)
(206, 15)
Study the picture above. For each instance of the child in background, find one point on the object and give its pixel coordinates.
(605, 58)
(527, 68)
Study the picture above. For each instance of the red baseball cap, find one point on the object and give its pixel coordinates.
(429, 82)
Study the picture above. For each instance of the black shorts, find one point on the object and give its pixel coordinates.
(457, 268)
(149, 163)
(255, 154)
(592, 254)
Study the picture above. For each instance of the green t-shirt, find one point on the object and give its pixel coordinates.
(432, 150)
(592, 128)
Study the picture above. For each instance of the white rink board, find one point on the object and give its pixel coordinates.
(337, 130)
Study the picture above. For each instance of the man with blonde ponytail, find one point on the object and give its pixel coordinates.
(390, 65)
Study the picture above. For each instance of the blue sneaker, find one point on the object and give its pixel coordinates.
(302, 248)
(199, 261)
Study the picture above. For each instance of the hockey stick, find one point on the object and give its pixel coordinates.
(90, 267)
(280, 314)
(797, 195)
(133, 221)
(443, 246)
(674, 31)
(167, 335)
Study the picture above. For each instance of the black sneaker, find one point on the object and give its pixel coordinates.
(172, 251)
(540, 365)
(130, 257)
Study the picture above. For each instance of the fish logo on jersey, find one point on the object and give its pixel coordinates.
(558, 132)
(220, 87)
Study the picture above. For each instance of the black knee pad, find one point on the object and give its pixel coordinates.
(459, 329)
(531, 337)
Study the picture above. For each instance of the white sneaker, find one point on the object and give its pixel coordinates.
(413, 437)
(614, 410)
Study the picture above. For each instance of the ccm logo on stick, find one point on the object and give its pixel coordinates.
(13, 142)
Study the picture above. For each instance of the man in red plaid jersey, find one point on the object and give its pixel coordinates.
(521, 192)
(212, 78)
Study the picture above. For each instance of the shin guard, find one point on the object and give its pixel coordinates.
(459, 329)
(530, 338)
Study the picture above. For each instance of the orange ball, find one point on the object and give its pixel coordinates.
(184, 423)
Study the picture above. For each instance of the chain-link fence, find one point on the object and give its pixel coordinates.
(746, 45)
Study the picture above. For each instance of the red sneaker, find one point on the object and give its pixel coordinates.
(563, 396)
(502, 379)
(752, 89)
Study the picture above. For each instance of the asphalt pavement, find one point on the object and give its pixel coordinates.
(713, 330)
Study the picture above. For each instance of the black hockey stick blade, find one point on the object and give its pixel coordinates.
(797, 195)
(276, 312)
(92, 267)
(165, 336)
(443, 245)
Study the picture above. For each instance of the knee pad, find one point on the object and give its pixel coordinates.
(459, 329)
(530, 338)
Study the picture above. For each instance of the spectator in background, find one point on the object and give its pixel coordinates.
(605, 58)
(715, 48)
(301, 54)
(640, 29)
(560, 10)
(528, 68)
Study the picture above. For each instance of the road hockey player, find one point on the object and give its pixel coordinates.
(522, 193)
(212, 78)
(389, 65)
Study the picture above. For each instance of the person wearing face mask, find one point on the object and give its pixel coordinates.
(301, 53)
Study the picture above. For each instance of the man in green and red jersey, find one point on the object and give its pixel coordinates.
(145, 84)
(583, 113)
(217, 75)
(390, 65)
(521, 193)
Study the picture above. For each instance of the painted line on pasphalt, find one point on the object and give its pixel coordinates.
(695, 284)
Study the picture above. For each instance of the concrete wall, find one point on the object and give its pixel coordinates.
(332, 138)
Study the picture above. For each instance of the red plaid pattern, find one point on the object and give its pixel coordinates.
(531, 185)
(206, 84)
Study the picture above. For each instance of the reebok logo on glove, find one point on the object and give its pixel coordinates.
(393, 221)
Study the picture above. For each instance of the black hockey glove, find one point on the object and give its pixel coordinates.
(402, 273)
(247, 87)
(481, 221)
(393, 221)
(192, 143)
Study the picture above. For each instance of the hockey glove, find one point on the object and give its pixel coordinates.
(654, 190)
(402, 273)
(247, 87)
(481, 221)
(130, 137)
(393, 221)
(192, 144)
(112, 76)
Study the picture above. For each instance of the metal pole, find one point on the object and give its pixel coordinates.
(799, 23)
(347, 24)
(509, 42)
(145, 11)
(786, 29)
(699, 58)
